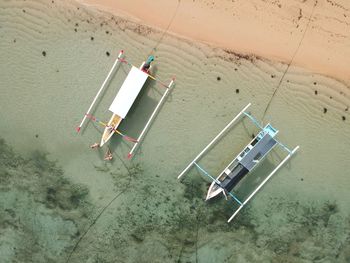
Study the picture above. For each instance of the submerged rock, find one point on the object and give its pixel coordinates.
(42, 208)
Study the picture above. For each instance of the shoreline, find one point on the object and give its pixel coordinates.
(57, 54)
(323, 49)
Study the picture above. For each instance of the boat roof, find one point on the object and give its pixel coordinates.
(128, 92)
(260, 149)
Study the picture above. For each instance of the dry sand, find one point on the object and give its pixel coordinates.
(50, 208)
(271, 29)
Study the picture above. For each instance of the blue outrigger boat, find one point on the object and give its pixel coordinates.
(244, 163)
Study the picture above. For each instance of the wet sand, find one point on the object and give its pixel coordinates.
(319, 30)
(63, 203)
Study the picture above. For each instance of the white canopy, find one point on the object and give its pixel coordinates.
(128, 92)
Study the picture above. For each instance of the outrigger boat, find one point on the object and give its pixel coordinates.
(124, 100)
(244, 163)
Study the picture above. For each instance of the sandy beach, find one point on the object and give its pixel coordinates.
(61, 202)
(312, 34)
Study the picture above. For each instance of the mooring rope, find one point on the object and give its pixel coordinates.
(154, 49)
(197, 234)
(124, 136)
(181, 254)
(101, 212)
(291, 61)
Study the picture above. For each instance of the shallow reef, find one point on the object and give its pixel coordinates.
(47, 218)
(155, 223)
(43, 212)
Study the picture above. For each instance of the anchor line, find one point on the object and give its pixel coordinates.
(101, 213)
(166, 29)
(291, 61)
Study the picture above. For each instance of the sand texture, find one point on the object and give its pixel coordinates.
(314, 34)
(60, 202)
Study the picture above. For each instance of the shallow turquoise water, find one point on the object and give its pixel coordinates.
(65, 203)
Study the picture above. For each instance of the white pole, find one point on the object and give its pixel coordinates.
(264, 182)
(235, 213)
(212, 142)
(102, 87)
(150, 120)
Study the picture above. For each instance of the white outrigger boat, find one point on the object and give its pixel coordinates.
(244, 163)
(124, 100)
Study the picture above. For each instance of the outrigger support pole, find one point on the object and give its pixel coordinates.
(121, 53)
(263, 182)
(213, 141)
(143, 132)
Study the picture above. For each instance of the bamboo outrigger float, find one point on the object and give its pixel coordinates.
(244, 163)
(124, 100)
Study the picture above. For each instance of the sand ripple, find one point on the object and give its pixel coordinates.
(56, 55)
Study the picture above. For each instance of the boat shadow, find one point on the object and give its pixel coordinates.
(138, 116)
(119, 68)
(247, 185)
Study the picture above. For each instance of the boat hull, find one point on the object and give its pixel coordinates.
(213, 191)
(110, 128)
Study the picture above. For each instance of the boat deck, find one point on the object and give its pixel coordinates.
(234, 177)
(111, 127)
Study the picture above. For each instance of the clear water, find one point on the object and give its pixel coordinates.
(60, 202)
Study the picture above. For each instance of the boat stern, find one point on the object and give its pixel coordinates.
(110, 129)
